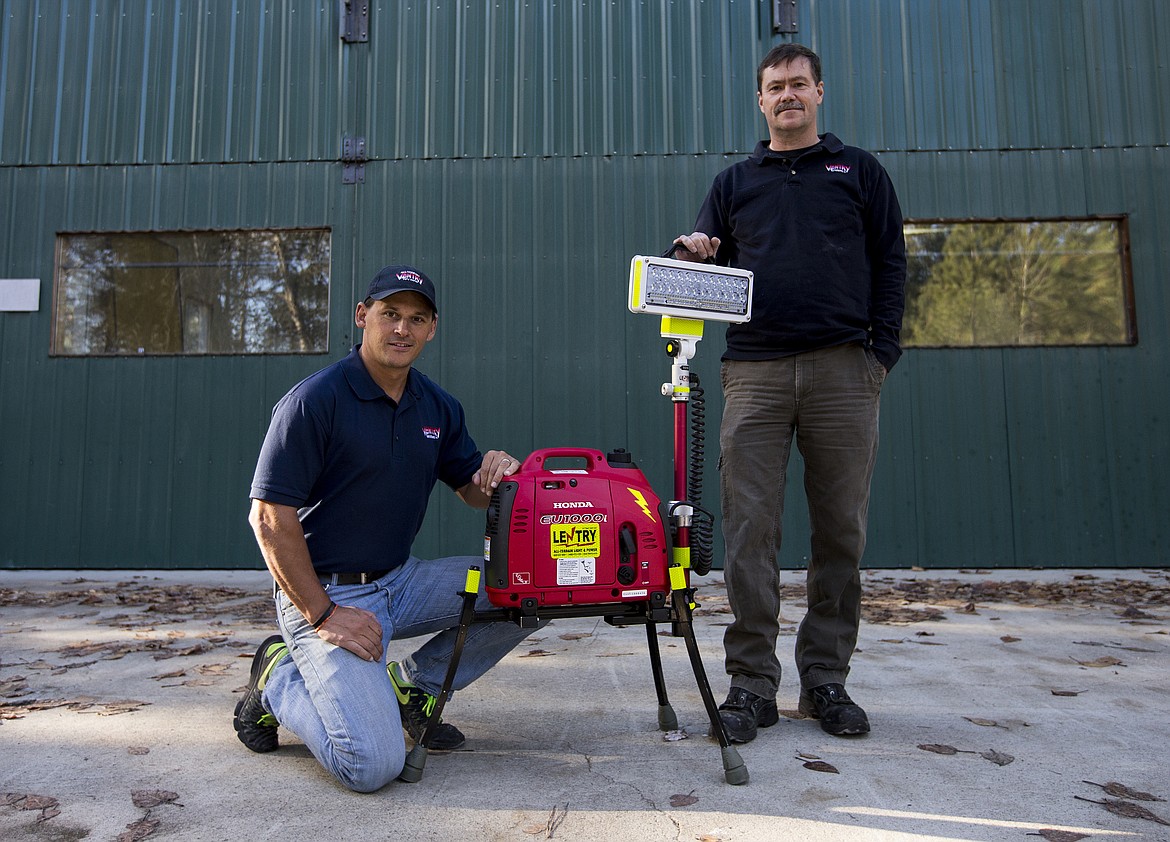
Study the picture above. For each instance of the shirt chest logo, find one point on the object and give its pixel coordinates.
(841, 168)
(431, 432)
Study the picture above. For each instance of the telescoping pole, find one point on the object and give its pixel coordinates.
(682, 336)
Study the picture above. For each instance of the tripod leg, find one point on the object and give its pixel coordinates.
(734, 770)
(667, 721)
(416, 760)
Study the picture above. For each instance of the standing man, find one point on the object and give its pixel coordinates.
(339, 493)
(819, 224)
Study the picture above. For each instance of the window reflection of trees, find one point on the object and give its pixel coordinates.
(1018, 283)
(206, 292)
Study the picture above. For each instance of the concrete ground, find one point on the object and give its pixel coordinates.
(1005, 705)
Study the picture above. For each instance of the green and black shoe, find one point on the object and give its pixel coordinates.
(255, 726)
(415, 706)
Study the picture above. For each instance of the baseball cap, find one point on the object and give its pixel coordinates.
(394, 279)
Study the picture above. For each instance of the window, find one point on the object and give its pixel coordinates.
(192, 292)
(1018, 283)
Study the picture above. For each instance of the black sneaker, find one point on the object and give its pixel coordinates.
(839, 714)
(255, 726)
(743, 712)
(415, 706)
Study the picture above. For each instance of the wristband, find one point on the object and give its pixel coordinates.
(328, 613)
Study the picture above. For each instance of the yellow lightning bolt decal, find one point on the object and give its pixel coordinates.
(642, 504)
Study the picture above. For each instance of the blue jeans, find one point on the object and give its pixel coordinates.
(827, 401)
(343, 707)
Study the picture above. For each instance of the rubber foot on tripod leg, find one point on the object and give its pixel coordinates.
(734, 772)
(416, 761)
(667, 721)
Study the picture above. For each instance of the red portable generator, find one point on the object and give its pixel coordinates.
(581, 536)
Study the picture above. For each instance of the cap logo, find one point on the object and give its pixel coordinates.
(413, 277)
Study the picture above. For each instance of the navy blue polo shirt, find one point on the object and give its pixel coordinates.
(359, 467)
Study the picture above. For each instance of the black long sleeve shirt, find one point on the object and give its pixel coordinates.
(821, 229)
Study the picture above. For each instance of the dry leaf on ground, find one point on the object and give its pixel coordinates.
(997, 757)
(1051, 834)
(939, 748)
(140, 829)
(1128, 809)
(38, 802)
(1103, 661)
(1122, 791)
(147, 798)
(821, 766)
(122, 706)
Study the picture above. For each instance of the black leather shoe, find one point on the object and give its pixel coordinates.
(839, 714)
(744, 712)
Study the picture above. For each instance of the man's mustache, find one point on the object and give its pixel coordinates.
(789, 106)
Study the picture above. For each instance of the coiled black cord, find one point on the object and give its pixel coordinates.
(703, 523)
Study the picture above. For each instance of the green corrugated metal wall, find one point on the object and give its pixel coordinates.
(521, 153)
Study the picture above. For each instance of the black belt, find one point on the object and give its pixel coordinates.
(351, 578)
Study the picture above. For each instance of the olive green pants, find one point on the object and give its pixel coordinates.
(827, 402)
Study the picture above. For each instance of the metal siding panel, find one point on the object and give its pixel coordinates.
(1061, 517)
(984, 74)
(896, 534)
(962, 476)
(1016, 184)
(242, 80)
(126, 481)
(21, 379)
(1138, 450)
(50, 535)
(523, 282)
(982, 461)
(27, 61)
(1135, 401)
(215, 448)
(1074, 474)
(1128, 91)
(137, 462)
(150, 81)
(215, 82)
(572, 78)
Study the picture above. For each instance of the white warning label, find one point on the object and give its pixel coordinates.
(576, 571)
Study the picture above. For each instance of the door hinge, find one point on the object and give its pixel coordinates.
(783, 16)
(355, 21)
(353, 160)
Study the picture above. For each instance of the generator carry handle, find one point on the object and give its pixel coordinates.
(537, 459)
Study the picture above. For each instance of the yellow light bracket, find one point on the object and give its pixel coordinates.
(685, 293)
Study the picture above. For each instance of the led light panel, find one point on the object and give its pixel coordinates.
(692, 290)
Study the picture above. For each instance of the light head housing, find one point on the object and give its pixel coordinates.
(668, 287)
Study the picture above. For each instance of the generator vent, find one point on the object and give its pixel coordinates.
(520, 518)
